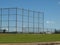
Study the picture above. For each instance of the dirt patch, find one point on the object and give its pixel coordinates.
(38, 43)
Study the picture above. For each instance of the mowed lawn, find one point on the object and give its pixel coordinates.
(12, 38)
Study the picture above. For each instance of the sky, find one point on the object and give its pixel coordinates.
(51, 9)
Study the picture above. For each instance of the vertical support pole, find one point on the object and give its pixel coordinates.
(43, 21)
(8, 19)
(28, 20)
(33, 21)
(1, 18)
(22, 19)
(38, 21)
(16, 20)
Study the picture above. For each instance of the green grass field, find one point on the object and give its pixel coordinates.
(12, 38)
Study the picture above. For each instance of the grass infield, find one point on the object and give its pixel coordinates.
(20, 38)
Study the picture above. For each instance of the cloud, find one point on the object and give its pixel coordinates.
(50, 22)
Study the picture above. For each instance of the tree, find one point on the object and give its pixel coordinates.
(4, 30)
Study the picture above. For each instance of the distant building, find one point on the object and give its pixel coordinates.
(48, 32)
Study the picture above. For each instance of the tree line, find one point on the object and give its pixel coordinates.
(57, 31)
